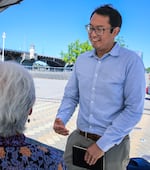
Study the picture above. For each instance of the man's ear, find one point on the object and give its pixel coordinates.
(116, 30)
(30, 111)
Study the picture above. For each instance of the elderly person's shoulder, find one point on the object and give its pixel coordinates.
(55, 155)
(17, 97)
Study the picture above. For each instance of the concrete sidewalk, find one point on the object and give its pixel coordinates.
(140, 136)
(45, 109)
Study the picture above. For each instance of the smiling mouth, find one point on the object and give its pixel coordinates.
(95, 40)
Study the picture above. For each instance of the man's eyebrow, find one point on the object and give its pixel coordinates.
(97, 25)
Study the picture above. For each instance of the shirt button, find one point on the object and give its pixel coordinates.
(93, 88)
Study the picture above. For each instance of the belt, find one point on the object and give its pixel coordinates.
(89, 135)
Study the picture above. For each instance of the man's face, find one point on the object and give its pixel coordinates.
(100, 33)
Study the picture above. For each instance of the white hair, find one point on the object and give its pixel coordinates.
(17, 96)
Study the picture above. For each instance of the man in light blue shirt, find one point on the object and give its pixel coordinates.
(108, 83)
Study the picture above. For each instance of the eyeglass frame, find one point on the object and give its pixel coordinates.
(96, 29)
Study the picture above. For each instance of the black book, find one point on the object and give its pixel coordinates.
(78, 159)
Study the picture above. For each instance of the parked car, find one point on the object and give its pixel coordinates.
(148, 90)
(68, 67)
(40, 65)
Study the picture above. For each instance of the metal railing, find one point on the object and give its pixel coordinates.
(49, 68)
(57, 73)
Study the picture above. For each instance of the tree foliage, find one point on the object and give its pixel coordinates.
(120, 40)
(148, 70)
(74, 50)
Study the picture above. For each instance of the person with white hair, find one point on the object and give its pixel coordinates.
(17, 97)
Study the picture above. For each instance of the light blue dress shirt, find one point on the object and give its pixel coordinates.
(110, 92)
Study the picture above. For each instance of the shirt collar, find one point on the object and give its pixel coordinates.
(113, 52)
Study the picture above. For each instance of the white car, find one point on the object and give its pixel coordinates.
(40, 65)
(68, 67)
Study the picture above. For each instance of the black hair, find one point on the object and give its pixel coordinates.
(115, 18)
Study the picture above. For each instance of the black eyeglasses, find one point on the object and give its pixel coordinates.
(98, 30)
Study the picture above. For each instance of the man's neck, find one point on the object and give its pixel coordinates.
(101, 52)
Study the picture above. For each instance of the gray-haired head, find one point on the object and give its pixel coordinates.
(17, 96)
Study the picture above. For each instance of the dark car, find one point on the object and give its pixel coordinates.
(148, 90)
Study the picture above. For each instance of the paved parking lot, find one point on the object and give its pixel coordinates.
(49, 94)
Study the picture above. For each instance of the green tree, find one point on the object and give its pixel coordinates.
(74, 50)
(148, 70)
(120, 41)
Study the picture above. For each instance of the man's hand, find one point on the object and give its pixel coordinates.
(59, 127)
(92, 154)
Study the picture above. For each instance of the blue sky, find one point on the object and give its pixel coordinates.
(51, 25)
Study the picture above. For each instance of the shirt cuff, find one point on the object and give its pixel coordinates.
(105, 143)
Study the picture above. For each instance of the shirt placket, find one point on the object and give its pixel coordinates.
(93, 92)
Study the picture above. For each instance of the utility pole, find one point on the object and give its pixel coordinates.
(3, 37)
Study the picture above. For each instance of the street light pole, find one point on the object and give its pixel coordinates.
(3, 37)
